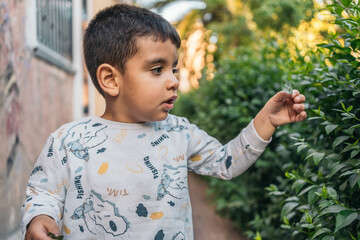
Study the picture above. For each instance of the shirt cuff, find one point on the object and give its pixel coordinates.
(253, 138)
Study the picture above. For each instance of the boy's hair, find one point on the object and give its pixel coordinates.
(112, 34)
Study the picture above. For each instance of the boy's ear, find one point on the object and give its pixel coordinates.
(109, 79)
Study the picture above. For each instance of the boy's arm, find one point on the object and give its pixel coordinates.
(47, 185)
(209, 157)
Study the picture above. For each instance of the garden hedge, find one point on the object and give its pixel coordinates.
(306, 185)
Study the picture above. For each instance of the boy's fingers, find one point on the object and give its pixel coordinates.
(295, 93)
(38, 234)
(300, 98)
(51, 227)
(301, 116)
(296, 97)
(281, 96)
(299, 107)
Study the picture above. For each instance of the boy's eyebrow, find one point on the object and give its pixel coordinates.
(176, 62)
(159, 61)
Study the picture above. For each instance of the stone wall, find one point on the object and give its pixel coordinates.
(35, 99)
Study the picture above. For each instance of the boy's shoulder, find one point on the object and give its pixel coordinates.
(84, 122)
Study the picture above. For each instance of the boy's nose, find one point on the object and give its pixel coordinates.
(173, 83)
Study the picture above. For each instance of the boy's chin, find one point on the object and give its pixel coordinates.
(161, 117)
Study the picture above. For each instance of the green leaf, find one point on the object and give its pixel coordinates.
(349, 108)
(333, 157)
(352, 237)
(312, 196)
(326, 123)
(286, 220)
(307, 225)
(354, 153)
(355, 126)
(343, 106)
(326, 203)
(318, 233)
(314, 118)
(53, 236)
(339, 140)
(306, 190)
(308, 217)
(329, 128)
(344, 60)
(353, 179)
(344, 218)
(346, 3)
(324, 191)
(258, 236)
(309, 155)
(287, 208)
(298, 185)
(331, 192)
(317, 157)
(301, 147)
(284, 226)
(347, 173)
(336, 168)
(328, 237)
(349, 131)
(277, 193)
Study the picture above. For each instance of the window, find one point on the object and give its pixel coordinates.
(49, 31)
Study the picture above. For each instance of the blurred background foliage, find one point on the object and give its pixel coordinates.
(234, 56)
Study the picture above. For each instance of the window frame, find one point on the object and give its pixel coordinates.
(38, 48)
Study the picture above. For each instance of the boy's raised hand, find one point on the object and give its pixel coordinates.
(39, 228)
(281, 109)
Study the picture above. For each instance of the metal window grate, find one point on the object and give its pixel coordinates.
(54, 26)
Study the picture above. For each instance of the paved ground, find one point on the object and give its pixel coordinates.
(207, 224)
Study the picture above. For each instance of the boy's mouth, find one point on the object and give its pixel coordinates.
(169, 104)
(171, 100)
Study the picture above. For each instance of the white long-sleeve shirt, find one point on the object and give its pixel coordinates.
(101, 179)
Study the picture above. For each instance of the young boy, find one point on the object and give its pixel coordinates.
(124, 175)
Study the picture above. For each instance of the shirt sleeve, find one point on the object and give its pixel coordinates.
(46, 189)
(207, 156)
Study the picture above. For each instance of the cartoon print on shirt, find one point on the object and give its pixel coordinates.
(159, 235)
(223, 154)
(170, 125)
(171, 184)
(79, 143)
(101, 215)
(179, 236)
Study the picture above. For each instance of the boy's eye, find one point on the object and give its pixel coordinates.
(157, 70)
(175, 70)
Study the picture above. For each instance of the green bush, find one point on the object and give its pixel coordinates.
(324, 199)
(313, 182)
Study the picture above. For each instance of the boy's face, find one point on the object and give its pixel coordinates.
(149, 86)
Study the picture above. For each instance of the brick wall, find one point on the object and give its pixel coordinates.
(35, 99)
